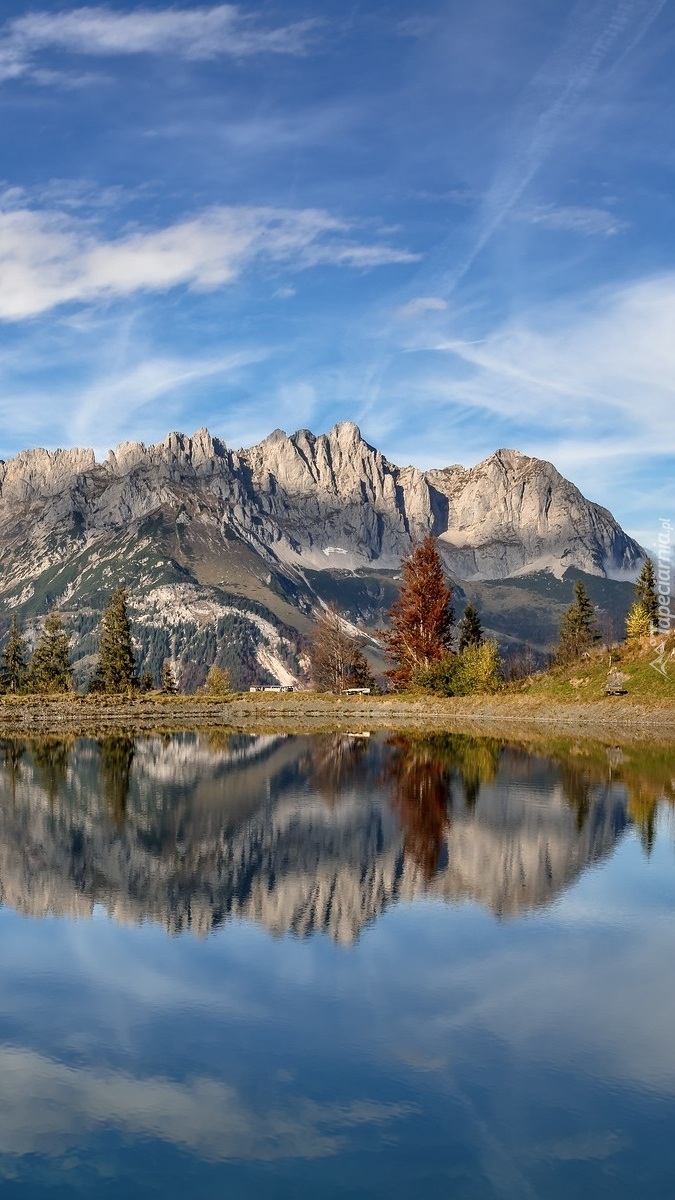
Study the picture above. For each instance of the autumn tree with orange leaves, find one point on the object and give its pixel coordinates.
(421, 620)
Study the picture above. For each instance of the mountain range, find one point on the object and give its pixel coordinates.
(228, 555)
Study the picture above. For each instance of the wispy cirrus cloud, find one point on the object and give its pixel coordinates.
(572, 218)
(101, 413)
(603, 362)
(588, 382)
(120, 388)
(418, 306)
(599, 37)
(195, 34)
(50, 258)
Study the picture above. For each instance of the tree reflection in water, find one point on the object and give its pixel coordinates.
(424, 772)
(50, 756)
(334, 763)
(576, 786)
(645, 773)
(11, 755)
(117, 755)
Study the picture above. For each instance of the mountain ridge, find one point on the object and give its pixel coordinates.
(281, 525)
(342, 463)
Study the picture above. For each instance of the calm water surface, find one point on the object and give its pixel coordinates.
(336, 966)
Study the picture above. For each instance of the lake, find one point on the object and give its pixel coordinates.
(336, 966)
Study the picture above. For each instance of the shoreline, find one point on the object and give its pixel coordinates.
(313, 712)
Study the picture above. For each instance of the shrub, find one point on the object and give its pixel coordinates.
(475, 670)
(478, 669)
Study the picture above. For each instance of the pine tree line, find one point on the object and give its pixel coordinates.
(48, 668)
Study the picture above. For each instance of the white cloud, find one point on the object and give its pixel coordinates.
(419, 306)
(196, 34)
(601, 367)
(572, 219)
(587, 383)
(51, 258)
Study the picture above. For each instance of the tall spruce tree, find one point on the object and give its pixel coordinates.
(169, 685)
(470, 628)
(117, 665)
(578, 628)
(421, 620)
(645, 592)
(49, 669)
(13, 660)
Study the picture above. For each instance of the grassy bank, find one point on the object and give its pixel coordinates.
(575, 711)
(571, 700)
(649, 670)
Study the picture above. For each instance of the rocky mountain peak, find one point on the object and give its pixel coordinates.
(346, 433)
(125, 457)
(177, 449)
(300, 463)
(38, 473)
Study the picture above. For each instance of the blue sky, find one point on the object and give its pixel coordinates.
(452, 224)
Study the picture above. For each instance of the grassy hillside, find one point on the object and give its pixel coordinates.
(649, 666)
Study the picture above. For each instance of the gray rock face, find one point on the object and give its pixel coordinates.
(306, 501)
(512, 514)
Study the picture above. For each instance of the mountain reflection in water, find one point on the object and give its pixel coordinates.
(301, 833)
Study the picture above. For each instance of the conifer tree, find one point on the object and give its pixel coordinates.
(470, 628)
(360, 674)
(578, 628)
(146, 682)
(169, 685)
(49, 669)
(421, 620)
(646, 597)
(13, 667)
(117, 666)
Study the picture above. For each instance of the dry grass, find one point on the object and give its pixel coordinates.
(650, 667)
(547, 702)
